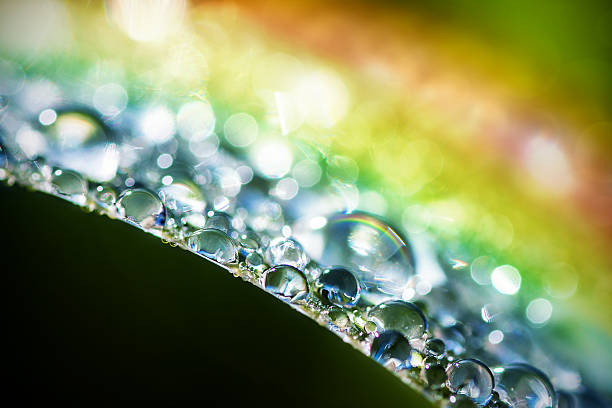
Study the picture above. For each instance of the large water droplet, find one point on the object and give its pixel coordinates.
(70, 185)
(287, 252)
(79, 141)
(380, 257)
(142, 208)
(471, 378)
(286, 281)
(339, 286)
(524, 386)
(214, 244)
(390, 345)
(185, 201)
(400, 316)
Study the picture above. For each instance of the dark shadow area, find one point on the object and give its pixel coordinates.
(97, 309)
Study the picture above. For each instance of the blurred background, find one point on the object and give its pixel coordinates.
(484, 123)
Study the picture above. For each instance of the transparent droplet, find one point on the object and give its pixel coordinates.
(286, 281)
(403, 317)
(70, 184)
(255, 261)
(339, 287)
(287, 252)
(471, 378)
(78, 141)
(390, 345)
(380, 257)
(184, 199)
(219, 221)
(435, 347)
(214, 244)
(105, 196)
(433, 373)
(142, 208)
(249, 241)
(524, 386)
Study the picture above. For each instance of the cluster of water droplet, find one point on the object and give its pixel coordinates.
(268, 215)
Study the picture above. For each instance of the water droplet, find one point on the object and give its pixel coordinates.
(286, 281)
(70, 185)
(471, 378)
(184, 199)
(105, 196)
(79, 141)
(142, 208)
(255, 261)
(524, 386)
(249, 241)
(286, 252)
(433, 373)
(390, 345)
(214, 244)
(400, 316)
(339, 286)
(380, 257)
(435, 347)
(219, 221)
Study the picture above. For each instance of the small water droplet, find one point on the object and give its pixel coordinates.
(255, 261)
(433, 373)
(214, 244)
(219, 221)
(390, 345)
(403, 317)
(339, 287)
(471, 378)
(287, 252)
(142, 208)
(435, 347)
(286, 281)
(70, 185)
(524, 386)
(105, 196)
(249, 241)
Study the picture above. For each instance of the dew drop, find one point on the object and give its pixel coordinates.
(339, 287)
(70, 185)
(433, 373)
(390, 345)
(471, 378)
(524, 386)
(286, 281)
(287, 252)
(380, 257)
(219, 221)
(214, 244)
(105, 196)
(254, 261)
(403, 317)
(142, 208)
(435, 347)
